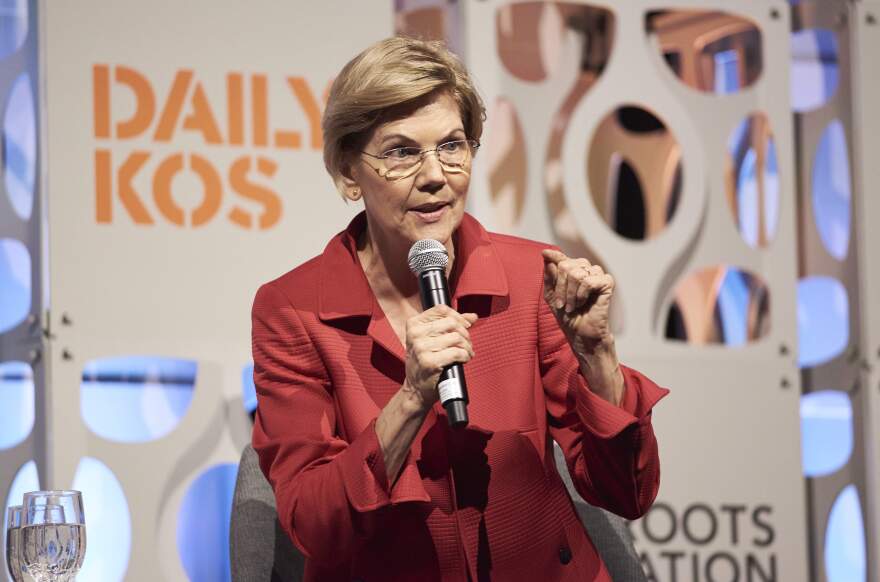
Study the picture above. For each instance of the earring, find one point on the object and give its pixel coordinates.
(356, 194)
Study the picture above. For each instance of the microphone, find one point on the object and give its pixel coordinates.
(428, 260)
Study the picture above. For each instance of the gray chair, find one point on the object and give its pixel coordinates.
(260, 551)
(608, 531)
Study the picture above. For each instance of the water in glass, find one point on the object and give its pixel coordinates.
(53, 550)
(53, 536)
(13, 543)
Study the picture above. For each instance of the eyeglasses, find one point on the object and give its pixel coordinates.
(399, 163)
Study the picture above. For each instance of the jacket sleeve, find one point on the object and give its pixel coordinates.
(610, 451)
(325, 487)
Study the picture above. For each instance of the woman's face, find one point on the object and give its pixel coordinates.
(428, 204)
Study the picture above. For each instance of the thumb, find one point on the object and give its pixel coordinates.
(553, 256)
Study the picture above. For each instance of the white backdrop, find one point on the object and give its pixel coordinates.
(165, 289)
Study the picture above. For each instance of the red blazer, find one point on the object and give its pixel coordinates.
(484, 502)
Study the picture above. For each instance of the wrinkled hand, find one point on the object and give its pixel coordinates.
(435, 338)
(579, 295)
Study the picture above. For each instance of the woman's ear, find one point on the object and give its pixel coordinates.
(347, 185)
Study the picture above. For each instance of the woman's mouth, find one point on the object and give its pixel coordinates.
(430, 212)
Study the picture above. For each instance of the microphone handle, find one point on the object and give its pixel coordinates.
(452, 385)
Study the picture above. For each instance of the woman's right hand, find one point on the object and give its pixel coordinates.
(435, 338)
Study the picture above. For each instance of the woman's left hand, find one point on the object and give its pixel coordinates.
(579, 295)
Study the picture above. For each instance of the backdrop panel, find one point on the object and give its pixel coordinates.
(731, 503)
(866, 21)
(186, 169)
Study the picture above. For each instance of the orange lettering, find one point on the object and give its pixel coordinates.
(162, 188)
(259, 109)
(101, 96)
(173, 105)
(213, 190)
(287, 138)
(103, 187)
(235, 111)
(211, 196)
(269, 200)
(145, 103)
(127, 193)
(201, 119)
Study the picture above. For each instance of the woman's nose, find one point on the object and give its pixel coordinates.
(430, 177)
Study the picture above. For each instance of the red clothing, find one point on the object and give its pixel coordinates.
(486, 501)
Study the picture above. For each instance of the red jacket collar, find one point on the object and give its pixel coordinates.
(343, 289)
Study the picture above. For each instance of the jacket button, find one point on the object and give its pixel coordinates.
(564, 555)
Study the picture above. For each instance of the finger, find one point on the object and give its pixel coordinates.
(583, 292)
(441, 342)
(465, 319)
(571, 288)
(559, 288)
(582, 270)
(446, 325)
(606, 282)
(438, 311)
(593, 285)
(553, 255)
(442, 311)
(436, 361)
(576, 270)
(459, 317)
(451, 355)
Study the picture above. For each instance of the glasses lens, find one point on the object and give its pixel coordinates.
(399, 171)
(454, 153)
(401, 158)
(404, 162)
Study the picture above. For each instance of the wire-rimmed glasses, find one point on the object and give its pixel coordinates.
(402, 162)
(53, 535)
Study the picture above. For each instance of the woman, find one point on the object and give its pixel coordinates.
(371, 483)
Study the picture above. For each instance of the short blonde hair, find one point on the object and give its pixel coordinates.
(389, 74)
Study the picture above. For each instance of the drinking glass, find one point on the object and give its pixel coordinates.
(53, 535)
(13, 543)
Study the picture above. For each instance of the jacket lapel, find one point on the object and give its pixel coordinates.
(344, 291)
(478, 269)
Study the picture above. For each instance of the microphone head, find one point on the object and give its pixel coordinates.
(427, 254)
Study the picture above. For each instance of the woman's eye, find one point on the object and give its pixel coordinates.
(450, 146)
(402, 153)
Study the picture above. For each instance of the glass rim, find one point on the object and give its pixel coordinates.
(55, 492)
(11, 511)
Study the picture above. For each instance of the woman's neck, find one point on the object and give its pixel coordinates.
(386, 265)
